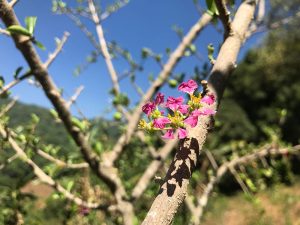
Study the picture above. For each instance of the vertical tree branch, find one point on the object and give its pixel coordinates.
(174, 188)
(103, 46)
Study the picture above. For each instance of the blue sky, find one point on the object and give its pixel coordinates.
(142, 23)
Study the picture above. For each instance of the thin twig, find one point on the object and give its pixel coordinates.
(61, 163)
(8, 106)
(103, 46)
(75, 96)
(5, 32)
(13, 2)
(58, 49)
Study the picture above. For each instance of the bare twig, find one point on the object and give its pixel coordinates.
(5, 32)
(103, 46)
(13, 2)
(58, 49)
(75, 96)
(8, 107)
(61, 163)
(8, 161)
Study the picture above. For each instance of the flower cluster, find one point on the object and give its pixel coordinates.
(181, 114)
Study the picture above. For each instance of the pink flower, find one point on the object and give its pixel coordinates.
(169, 135)
(182, 133)
(148, 108)
(161, 122)
(207, 112)
(196, 112)
(159, 98)
(189, 87)
(174, 103)
(191, 120)
(183, 109)
(208, 99)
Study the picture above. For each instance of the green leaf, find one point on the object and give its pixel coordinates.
(30, 23)
(2, 81)
(212, 8)
(210, 51)
(98, 147)
(79, 124)
(118, 116)
(173, 83)
(17, 29)
(121, 99)
(17, 72)
(34, 118)
(40, 45)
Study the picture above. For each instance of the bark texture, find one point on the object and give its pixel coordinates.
(174, 189)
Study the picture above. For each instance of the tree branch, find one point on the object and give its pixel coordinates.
(224, 16)
(103, 46)
(174, 188)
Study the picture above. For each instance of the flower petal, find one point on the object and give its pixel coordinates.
(189, 87)
(159, 99)
(161, 122)
(182, 133)
(148, 108)
(168, 135)
(191, 120)
(207, 112)
(208, 99)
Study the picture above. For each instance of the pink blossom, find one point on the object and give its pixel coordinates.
(207, 112)
(174, 103)
(182, 133)
(208, 99)
(148, 108)
(169, 135)
(196, 112)
(183, 109)
(191, 120)
(189, 87)
(161, 122)
(159, 99)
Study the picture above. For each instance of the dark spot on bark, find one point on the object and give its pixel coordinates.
(182, 166)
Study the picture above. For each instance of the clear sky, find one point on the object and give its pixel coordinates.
(142, 23)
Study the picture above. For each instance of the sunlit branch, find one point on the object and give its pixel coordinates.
(8, 107)
(5, 32)
(174, 188)
(103, 46)
(58, 49)
(13, 2)
(73, 99)
(61, 163)
(8, 161)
